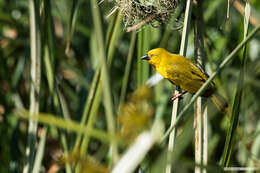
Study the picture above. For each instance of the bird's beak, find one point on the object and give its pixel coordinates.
(145, 57)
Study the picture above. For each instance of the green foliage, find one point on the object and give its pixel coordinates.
(90, 67)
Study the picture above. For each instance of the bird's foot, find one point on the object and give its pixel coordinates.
(175, 96)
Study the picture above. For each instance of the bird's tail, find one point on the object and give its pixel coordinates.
(219, 101)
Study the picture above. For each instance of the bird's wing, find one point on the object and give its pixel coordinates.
(177, 74)
(201, 69)
(198, 73)
(184, 77)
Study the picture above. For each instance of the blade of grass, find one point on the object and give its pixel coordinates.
(49, 52)
(204, 86)
(143, 45)
(48, 66)
(91, 119)
(229, 144)
(145, 48)
(35, 46)
(127, 68)
(18, 71)
(72, 21)
(110, 28)
(139, 54)
(183, 49)
(48, 41)
(69, 125)
(105, 79)
(89, 113)
(116, 32)
(88, 104)
(97, 97)
(66, 153)
(63, 105)
(40, 151)
(65, 112)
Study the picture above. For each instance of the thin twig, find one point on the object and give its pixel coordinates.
(139, 25)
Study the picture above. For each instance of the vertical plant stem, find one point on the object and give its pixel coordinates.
(146, 46)
(127, 68)
(200, 56)
(71, 26)
(139, 54)
(143, 45)
(65, 112)
(48, 44)
(171, 140)
(66, 153)
(35, 44)
(105, 78)
(91, 119)
(186, 27)
(230, 139)
(49, 69)
(198, 136)
(40, 151)
(205, 139)
(116, 32)
(184, 43)
(49, 53)
(228, 9)
(94, 99)
(88, 105)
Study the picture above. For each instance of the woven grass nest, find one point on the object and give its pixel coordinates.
(140, 12)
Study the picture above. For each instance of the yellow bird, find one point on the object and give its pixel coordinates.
(183, 73)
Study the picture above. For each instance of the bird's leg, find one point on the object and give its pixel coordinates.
(179, 95)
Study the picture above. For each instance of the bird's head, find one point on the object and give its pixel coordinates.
(154, 56)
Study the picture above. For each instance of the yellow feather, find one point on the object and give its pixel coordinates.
(181, 72)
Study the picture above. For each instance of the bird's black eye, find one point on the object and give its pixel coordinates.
(152, 55)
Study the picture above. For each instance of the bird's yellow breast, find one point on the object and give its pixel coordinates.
(181, 72)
